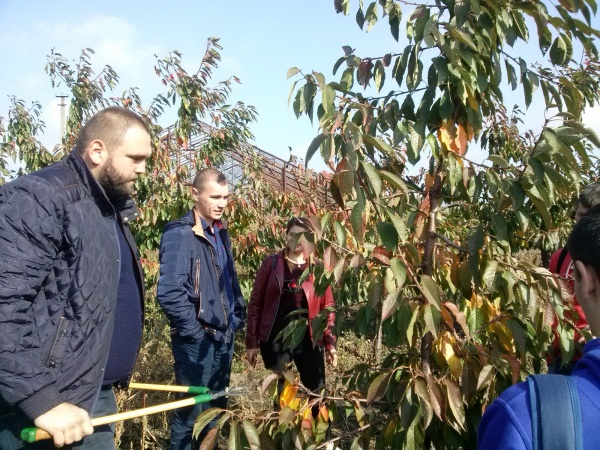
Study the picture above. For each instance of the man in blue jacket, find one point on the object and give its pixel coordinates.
(506, 424)
(71, 308)
(199, 291)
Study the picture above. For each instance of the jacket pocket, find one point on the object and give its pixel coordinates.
(60, 342)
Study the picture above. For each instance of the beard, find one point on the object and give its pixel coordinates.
(114, 184)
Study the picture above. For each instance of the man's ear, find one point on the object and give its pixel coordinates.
(194, 193)
(96, 153)
(587, 278)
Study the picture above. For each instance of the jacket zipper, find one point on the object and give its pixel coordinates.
(56, 335)
(278, 304)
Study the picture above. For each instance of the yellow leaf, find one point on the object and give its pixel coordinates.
(307, 414)
(504, 336)
(294, 404)
(471, 100)
(289, 393)
(446, 134)
(455, 364)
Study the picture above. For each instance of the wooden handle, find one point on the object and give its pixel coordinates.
(170, 388)
(34, 434)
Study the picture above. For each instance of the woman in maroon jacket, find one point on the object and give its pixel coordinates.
(276, 293)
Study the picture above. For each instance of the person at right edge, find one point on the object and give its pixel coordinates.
(562, 264)
(277, 292)
(507, 422)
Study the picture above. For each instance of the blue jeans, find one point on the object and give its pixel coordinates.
(12, 422)
(205, 363)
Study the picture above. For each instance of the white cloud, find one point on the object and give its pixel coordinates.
(591, 117)
(114, 40)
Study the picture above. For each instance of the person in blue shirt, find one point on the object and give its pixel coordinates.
(198, 290)
(506, 424)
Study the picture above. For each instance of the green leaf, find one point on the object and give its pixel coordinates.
(338, 63)
(378, 387)
(431, 291)
(485, 376)
(340, 234)
(292, 71)
(558, 51)
(371, 16)
(431, 317)
(313, 147)
(388, 234)
(511, 75)
(394, 21)
(234, 442)
(377, 143)
(411, 326)
(399, 270)
(372, 177)
(358, 220)
(499, 160)
(399, 224)
(328, 99)
(347, 80)
(292, 87)
(393, 180)
(379, 75)
(501, 229)
(319, 78)
(360, 18)
(455, 401)
(251, 434)
(204, 419)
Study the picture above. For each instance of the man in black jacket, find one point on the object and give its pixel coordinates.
(71, 285)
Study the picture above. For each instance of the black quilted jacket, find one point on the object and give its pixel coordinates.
(59, 274)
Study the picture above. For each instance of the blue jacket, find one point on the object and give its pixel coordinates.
(506, 424)
(59, 275)
(190, 287)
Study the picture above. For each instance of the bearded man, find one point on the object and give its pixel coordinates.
(71, 286)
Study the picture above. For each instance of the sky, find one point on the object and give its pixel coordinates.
(261, 40)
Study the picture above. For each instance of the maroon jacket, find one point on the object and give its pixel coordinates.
(264, 302)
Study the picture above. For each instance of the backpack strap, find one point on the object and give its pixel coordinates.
(561, 259)
(555, 413)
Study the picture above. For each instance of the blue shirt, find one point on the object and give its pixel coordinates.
(222, 261)
(506, 424)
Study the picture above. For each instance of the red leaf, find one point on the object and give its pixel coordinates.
(438, 401)
(515, 366)
(329, 259)
(382, 255)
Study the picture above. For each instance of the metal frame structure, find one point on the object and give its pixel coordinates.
(281, 175)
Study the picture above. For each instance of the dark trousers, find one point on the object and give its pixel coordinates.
(103, 437)
(205, 363)
(309, 361)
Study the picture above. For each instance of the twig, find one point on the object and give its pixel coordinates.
(449, 242)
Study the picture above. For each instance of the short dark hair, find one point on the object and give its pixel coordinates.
(584, 241)
(109, 125)
(206, 175)
(590, 195)
(301, 222)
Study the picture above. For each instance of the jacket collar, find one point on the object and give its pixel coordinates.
(125, 206)
(199, 224)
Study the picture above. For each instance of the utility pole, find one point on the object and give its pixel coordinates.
(62, 105)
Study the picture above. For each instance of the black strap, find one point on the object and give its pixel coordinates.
(555, 413)
(561, 259)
